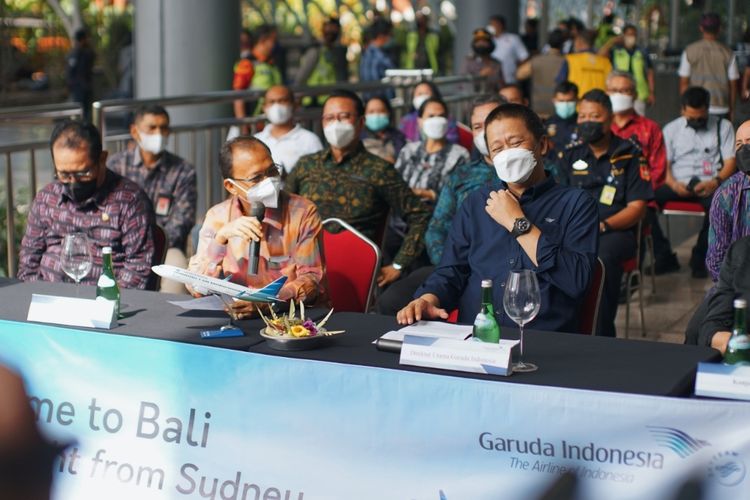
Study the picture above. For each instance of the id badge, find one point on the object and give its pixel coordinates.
(608, 195)
(163, 203)
(708, 167)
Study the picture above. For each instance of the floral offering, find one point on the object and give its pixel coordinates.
(289, 325)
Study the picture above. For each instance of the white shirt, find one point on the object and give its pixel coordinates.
(694, 153)
(733, 74)
(509, 50)
(290, 147)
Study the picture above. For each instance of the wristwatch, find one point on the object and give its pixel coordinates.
(520, 227)
(397, 267)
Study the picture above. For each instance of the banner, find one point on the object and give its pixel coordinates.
(156, 420)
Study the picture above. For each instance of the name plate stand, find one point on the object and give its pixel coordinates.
(70, 311)
(458, 355)
(718, 380)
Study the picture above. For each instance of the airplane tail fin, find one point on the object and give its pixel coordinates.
(272, 289)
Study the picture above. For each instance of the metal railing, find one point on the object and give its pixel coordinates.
(198, 143)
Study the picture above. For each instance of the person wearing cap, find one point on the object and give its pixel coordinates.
(734, 283)
(710, 64)
(481, 63)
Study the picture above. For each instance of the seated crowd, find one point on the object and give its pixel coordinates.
(551, 195)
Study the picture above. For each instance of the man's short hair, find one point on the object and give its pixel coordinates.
(695, 97)
(519, 111)
(630, 27)
(149, 109)
(262, 32)
(73, 134)
(566, 87)
(620, 74)
(574, 22)
(588, 37)
(710, 22)
(380, 27)
(482, 100)
(430, 100)
(512, 86)
(600, 97)
(80, 35)
(556, 39)
(498, 18)
(348, 94)
(241, 142)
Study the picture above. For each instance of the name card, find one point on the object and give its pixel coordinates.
(72, 312)
(717, 380)
(459, 355)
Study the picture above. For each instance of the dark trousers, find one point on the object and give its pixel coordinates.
(662, 247)
(614, 248)
(401, 292)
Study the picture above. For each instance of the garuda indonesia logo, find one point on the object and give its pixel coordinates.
(682, 443)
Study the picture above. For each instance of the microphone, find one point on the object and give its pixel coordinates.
(258, 210)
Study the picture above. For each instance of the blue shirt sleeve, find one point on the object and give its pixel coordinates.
(562, 75)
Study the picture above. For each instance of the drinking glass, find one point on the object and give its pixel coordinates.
(521, 301)
(75, 258)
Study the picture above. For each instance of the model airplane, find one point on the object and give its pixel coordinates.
(206, 285)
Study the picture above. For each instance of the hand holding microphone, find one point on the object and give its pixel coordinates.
(258, 210)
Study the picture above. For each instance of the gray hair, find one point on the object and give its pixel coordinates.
(620, 74)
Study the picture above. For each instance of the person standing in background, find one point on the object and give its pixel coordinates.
(710, 64)
(509, 48)
(422, 47)
(481, 63)
(585, 68)
(542, 69)
(626, 56)
(80, 72)
(375, 61)
(323, 64)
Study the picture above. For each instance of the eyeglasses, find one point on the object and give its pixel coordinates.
(344, 116)
(272, 171)
(74, 176)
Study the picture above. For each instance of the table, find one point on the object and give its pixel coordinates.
(565, 360)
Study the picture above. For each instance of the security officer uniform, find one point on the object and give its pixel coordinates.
(561, 132)
(618, 177)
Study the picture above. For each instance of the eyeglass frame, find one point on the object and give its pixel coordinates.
(262, 176)
(75, 176)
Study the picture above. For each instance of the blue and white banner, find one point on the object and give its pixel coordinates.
(156, 419)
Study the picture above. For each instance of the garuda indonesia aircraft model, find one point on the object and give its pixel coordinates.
(206, 284)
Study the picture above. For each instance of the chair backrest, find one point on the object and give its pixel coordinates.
(352, 265)
(465, 136)
(160, 254)
(590, 309)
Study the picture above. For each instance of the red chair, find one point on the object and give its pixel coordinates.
(590, 309)
(689, 208)
(160, 254)
(465, 136)
(352, 265)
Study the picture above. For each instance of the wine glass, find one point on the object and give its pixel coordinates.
(521, 302)
(75, 259)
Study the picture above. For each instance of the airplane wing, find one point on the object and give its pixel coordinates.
(268, 293)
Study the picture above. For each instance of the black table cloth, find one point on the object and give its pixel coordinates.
(565, 360)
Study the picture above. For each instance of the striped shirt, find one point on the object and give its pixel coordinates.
(291, 246)
(170, 185)
(423, 170)
(119, 215)
(730, 220)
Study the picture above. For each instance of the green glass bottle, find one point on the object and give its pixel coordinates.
(106, 287)
(738, 348)
(486, 328)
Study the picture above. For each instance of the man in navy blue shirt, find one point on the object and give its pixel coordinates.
(523, 221)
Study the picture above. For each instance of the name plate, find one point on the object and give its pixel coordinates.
(69, 311)
(717, 380)
(458, 355)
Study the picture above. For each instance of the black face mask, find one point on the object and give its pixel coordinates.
(743, 159)
(697, 123)
(590, 131)
(482, 50)
(80, 191)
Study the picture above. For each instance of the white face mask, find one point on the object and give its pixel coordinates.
(621, 102)
(435, 127)
(339, 134)
(153, 143)
(278, 114)
(419, 100)
(514, 165)
(481, 144)
(265, 192)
